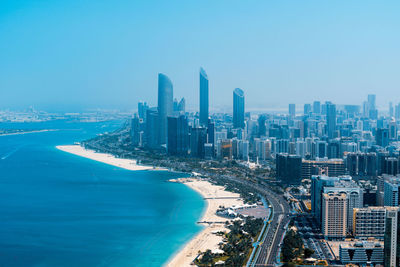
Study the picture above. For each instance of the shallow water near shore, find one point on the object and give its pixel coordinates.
(58, 209)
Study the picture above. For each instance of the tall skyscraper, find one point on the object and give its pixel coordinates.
(238, 108)
(317, 107)
(330, 119)
(292, 110)
(165, 105)
(392, 237)
(203, 97)
(152, 128)
(142, 109)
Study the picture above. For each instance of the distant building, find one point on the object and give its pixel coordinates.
(226, 149)
(292, 111)
(362, 164)
(142, 109)
(152, 128)
(331, 119)
(165, 105)
(391, 192)
(382, 137)
(238, 108)
(203, 97)
(317, 107)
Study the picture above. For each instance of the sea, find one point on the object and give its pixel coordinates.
(59, 209)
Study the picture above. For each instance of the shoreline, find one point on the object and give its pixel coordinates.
(215, 197)
(128, 164)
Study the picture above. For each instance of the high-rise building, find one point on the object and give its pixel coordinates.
(354, 196)
(288, 168)
(165, 105)
(391, 192)
(334, 215)
(178, 136)
(198, 137)
(203, 97)
(369, 222)
(152, 128)
(318, 182)
(262, 129)
(238, 108)
(292, 110)
(382, 137)
(330, 119)
(142, 108)
(392, 237)
(372, 111)
(317, 107)
(331, 167)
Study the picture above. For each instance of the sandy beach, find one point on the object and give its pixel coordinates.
(129, 164)
(206, 239)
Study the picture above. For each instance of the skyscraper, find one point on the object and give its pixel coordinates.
(317, 107)
(292, 110)
(330, 119)
(165, 105)
(238, 108)
(392, 237)
(203, 97)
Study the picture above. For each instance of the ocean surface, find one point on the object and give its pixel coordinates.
(58, 209)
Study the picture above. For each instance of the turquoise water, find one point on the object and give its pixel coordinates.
(58, 209)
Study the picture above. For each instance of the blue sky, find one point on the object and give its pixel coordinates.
(96, 53)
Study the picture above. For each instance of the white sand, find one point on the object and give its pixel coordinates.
(129, 164)
(206, 239)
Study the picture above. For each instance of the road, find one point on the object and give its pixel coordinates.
(267, 251)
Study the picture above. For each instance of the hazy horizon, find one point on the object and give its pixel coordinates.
(73, 55)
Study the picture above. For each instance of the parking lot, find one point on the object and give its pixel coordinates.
(312, 237)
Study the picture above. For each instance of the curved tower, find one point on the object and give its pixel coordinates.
(165, 105)
(238, 108)
(203, 97)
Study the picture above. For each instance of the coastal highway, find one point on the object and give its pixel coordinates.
(269, 247)
(267, 251)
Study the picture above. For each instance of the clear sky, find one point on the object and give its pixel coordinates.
(97, 53)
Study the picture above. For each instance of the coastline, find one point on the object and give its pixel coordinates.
(215, 197)
(128, 164)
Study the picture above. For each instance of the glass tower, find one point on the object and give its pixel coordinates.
(203, 97)
(165, 105)
(238, 108)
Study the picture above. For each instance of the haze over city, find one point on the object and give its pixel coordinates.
(73, 55)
